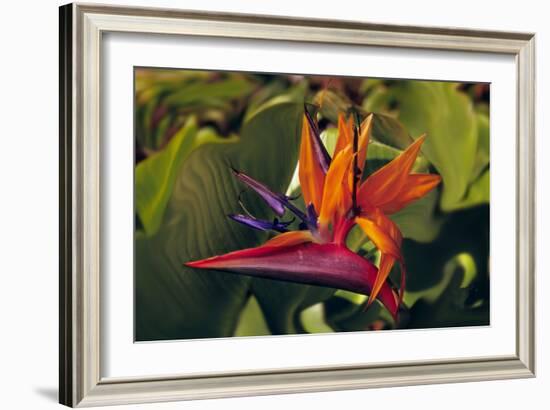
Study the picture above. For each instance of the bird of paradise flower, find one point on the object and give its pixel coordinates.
(336, 200)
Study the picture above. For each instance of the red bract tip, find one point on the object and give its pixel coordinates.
(327, 264)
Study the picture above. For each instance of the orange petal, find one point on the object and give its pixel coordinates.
(344, 200)
(366, 127)
(362, 147)
(381, 237)
(386, 236)
(345, 133)
(290, 238)
(416, 186)
(310, 172)
(335, 186)
(386, 264)
(384, 185)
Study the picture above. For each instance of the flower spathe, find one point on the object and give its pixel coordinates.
(336, 201)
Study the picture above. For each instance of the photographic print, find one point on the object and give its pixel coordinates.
(280, 204)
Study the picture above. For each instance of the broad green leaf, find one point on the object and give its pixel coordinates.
(266, 92)
(209, 93)
(483, 149)
(283, 302)
(377, 98)
(173, 301)
(418, 220)
(329, 138)
(295, 94)
(155, 176)
(251, 320)
(313, 319)
(478, 192)
(352, 297)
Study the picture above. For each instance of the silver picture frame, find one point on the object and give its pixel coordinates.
(81, 29)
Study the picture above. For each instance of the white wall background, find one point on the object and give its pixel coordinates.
(29, 201)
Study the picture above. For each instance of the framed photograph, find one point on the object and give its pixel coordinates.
(258, 205)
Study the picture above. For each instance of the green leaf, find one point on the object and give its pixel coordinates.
(431, 295)
(272, 88)
(463, 232)
(329, 138)
(450, 303)
(209, 93)
(418, 220)
(313, 319)
(155, 176)
(345, 315)
(251, 320)
(478, 192)
(377, 99)
(144, 129)
(161, 130)
(283, 302)
(295, 94)
(173, 301)
(165, 98)
(483, 149)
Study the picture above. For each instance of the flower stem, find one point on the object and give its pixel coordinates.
(356, 171)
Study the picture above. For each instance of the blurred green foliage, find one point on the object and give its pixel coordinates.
(191, 126)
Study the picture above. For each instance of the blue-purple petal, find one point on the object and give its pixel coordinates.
(275, 201)
(321, 152)
(311, 215)
(260, 224)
